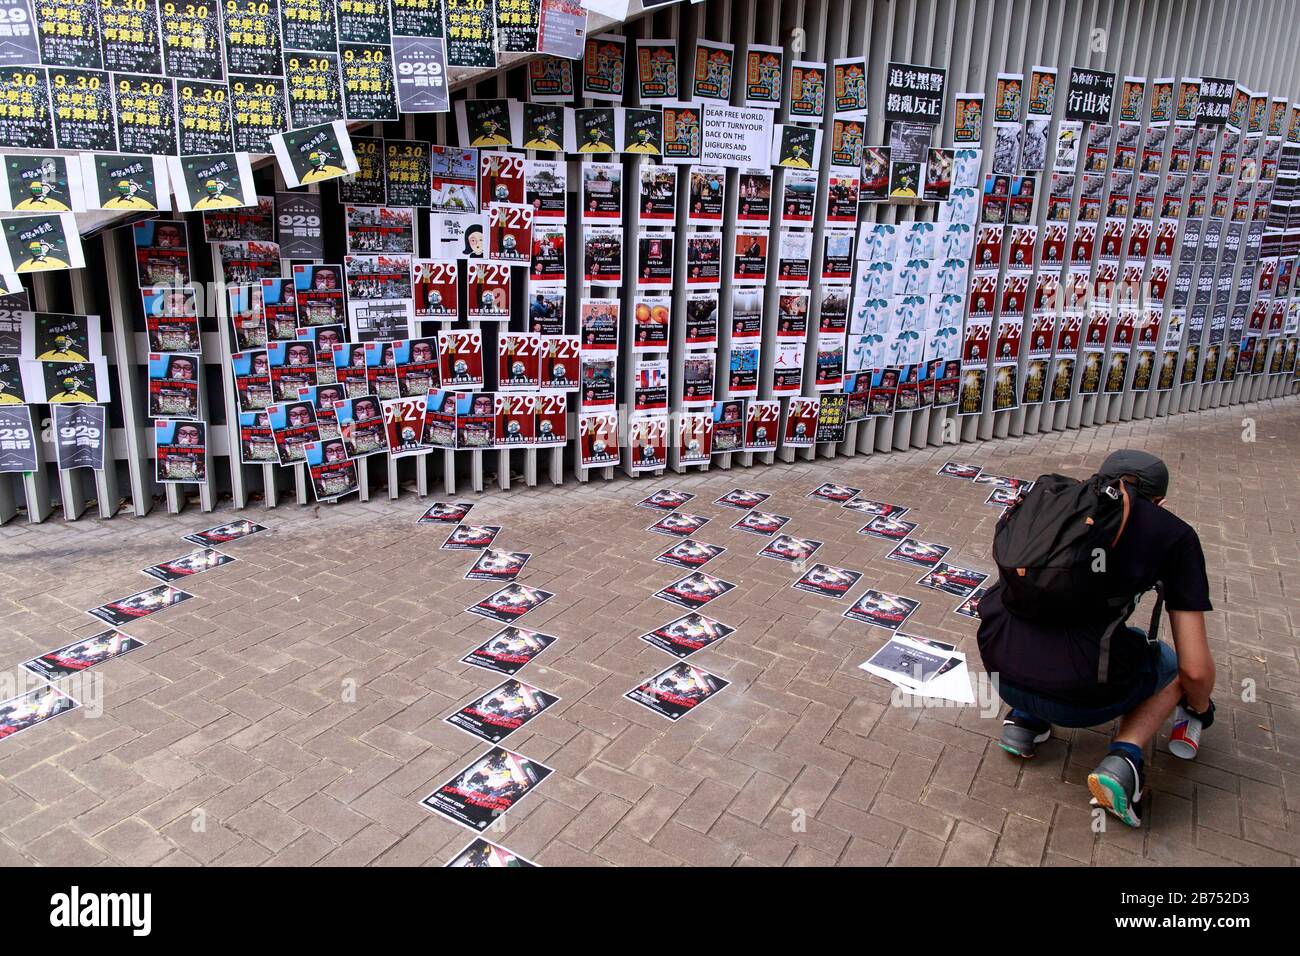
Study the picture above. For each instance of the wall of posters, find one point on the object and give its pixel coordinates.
(744, 294)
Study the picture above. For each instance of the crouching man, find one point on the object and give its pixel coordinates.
(1073, 559)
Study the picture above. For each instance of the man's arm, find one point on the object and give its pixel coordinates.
(1195, 665)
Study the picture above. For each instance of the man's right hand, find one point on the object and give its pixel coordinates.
(1204, 714)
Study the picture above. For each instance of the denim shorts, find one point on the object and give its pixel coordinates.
(1063, 714)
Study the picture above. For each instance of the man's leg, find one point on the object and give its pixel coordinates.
(1139, 726)
(1117, 783)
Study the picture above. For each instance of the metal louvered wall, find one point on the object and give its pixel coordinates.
(1253, 41)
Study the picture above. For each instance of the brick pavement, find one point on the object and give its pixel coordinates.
(293, 712)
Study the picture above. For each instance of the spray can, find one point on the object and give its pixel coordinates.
(1185, 739)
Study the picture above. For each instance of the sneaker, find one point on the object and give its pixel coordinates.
(1116, 786)
(1021, 736)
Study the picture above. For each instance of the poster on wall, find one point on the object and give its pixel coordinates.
(313, 88)
(713, 70)
(314, 154)
(1214, 101)
(968, 122)
(203, 119)
(1090, 95)
(472, 24)
(656, 69)
(808, 91)
(34, 183)
(125, 182)
(849, 89)
(180, 452)
(42, 243)
(369, 87)
(420, 67)
(251, 30)
(258, 110)
(914, 94)
(82, 106)
(191, 40)
(763, 68)
(25, 118)
(20, 45)
(203, 183)
(17, 440)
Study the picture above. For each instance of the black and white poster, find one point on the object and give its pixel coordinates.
(420, 68)
(298, 220)
(1090, 95)
(19, 46)
(1214, 105)
(914, 94)
(80, 432)
(17, 439)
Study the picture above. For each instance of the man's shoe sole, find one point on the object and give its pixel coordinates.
(1016, 753)
(1109, 794)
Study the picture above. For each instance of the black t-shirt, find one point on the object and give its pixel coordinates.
(1061, 659)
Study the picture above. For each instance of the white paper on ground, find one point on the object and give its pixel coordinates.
(953, 685)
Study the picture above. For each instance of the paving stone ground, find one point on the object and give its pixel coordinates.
(232, 737)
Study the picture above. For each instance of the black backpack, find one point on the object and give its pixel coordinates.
(1048, 543)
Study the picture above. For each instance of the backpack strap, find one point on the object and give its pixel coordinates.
(1128, 506)
(1153, 631)
(1103, 646)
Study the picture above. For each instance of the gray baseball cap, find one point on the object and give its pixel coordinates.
(1151, 473)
